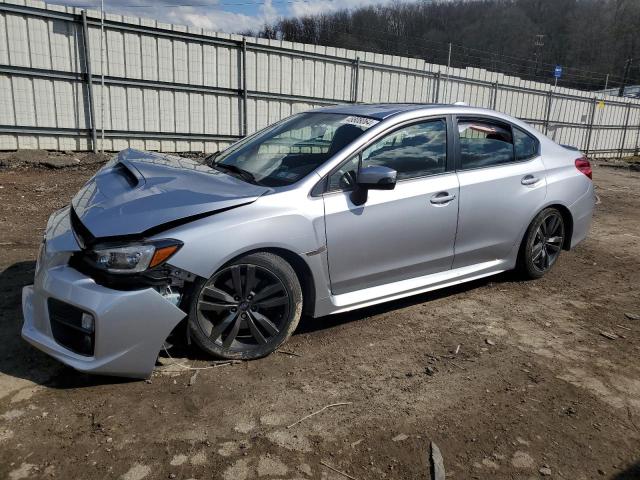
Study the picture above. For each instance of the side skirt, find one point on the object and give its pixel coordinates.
(405, 288)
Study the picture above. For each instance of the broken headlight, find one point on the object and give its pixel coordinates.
(131, 258)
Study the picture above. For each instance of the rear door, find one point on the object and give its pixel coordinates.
(502, 185)
(401, 233)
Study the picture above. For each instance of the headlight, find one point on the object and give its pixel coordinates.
(132, 258)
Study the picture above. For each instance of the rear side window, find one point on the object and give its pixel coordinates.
(484, 144)
(526, 145)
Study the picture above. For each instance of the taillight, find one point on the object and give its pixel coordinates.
(584, 166)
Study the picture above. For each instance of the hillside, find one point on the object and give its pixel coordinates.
(589, 38)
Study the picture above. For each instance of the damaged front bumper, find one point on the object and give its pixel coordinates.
(129, 327)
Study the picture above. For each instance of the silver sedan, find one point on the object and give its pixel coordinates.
(324, 212)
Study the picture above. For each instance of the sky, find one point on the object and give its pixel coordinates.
(230, 16)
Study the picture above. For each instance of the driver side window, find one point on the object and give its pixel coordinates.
(417, 150)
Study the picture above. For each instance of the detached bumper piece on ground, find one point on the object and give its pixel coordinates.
(95, 329)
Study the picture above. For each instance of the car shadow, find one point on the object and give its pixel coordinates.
(20, 360)
(632, 473)
(310, 325)
(180, 347)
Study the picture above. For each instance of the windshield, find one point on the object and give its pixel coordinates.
(288, 151)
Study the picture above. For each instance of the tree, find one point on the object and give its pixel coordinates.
(590, 38)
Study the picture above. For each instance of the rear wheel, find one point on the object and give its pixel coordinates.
(542, 243)
(248, 308)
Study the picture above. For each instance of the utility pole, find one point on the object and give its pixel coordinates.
(537, 48)
(625, 77)
(446, 85)
(102, 92)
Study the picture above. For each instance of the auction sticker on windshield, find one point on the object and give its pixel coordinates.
(360, 121)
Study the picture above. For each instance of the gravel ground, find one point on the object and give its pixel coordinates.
(511, 379)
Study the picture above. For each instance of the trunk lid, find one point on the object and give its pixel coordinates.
(140, 191)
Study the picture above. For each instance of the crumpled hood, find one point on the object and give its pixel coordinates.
(139, 191)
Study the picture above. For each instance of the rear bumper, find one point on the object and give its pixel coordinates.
(130, 326)
(582, 213)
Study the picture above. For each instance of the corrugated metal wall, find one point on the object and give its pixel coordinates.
(173, 88)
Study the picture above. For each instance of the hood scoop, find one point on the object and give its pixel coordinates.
(128, 173)
(140, 192)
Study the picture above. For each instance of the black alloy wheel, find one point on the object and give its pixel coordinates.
(248, 308)
(548, 241)
(543, 243)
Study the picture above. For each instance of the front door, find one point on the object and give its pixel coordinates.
(397, 234)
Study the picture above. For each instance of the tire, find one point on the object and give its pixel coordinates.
(247, 309)
(542, 244)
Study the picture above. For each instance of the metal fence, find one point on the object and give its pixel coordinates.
(173, 88)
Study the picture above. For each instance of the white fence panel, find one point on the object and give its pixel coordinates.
(173, 88)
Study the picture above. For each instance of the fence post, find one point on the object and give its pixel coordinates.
(590, 129)
(356, 81)
(548, 114)
(245, 120)
(624, 132)
(635, 150)
(494, 101)
(436, 89)
(89, 77)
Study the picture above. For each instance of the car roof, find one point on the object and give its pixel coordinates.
(379, 111)
(382, 111)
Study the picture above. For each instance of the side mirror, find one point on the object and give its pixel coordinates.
(373, 178)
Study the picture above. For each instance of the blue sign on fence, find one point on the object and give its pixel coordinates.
(558, 71)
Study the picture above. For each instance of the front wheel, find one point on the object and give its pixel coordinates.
(542, 243)
(247, 309)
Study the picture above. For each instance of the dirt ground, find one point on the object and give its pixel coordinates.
(534, 390)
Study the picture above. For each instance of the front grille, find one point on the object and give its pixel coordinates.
(66, 326)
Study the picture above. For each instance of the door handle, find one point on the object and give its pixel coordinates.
(442, 198)
(529, 180)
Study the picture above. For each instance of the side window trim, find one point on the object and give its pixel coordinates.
(449, 160)
(488, 119)
(453, 144)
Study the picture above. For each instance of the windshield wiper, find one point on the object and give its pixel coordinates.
(210, 159)
(244, 174)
